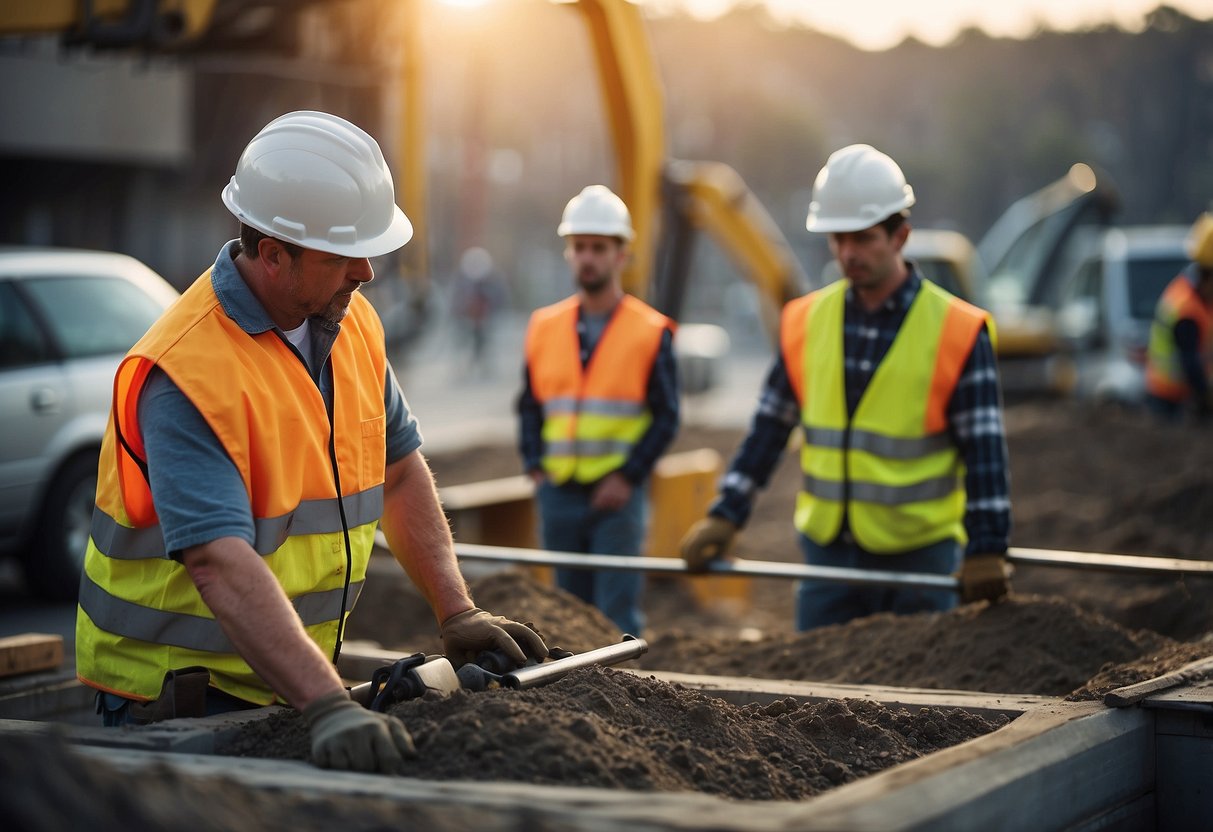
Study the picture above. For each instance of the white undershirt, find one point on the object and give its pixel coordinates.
(300, 339)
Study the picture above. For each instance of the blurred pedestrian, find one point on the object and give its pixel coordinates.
(1179, 359)
(599, 405)
(479, 298)
(892, 382)
(258, 436)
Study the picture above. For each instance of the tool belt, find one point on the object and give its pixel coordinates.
(183, 694)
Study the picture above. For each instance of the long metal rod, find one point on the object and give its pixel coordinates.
(1110, 563)
(545, 672)
(751, 568)
(863, 577)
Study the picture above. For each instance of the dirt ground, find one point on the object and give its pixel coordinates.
(1097, 481)
(1093, 481)
(604, 728)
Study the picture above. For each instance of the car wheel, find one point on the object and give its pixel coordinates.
(53, 565)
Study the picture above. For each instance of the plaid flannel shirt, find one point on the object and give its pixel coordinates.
(974, 421)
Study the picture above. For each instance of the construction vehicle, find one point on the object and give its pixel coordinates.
(1027, 252)
(670, 201)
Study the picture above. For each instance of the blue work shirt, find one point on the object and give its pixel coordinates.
(197, 489)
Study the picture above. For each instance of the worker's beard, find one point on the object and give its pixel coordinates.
(337, 308)
(593, 282)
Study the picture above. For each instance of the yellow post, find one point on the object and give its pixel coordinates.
(683, 487)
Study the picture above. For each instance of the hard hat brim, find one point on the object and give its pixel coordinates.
(398, 232)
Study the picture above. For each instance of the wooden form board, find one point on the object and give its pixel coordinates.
(29, 652)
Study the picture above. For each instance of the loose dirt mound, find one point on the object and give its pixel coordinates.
(393, 615)
(1106, 481)
(601, 727)
(1056, 647)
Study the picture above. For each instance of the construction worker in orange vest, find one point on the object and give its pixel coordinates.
(892, 383)
(1179, 359)
(599, 405)
(258, 435)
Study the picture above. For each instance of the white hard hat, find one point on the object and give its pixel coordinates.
(858, 188)
(596, 210)
(318, 181)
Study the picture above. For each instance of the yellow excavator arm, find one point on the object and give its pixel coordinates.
(634, 103)
(698, 196)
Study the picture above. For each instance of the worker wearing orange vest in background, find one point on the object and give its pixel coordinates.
(257, 437)
(1179, 359)
(893, 383)
(599, 405)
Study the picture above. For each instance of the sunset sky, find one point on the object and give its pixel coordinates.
(879, 24)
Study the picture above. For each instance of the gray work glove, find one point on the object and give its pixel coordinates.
(707, 540)
(346, 735)
(984, 577)
(465, 635)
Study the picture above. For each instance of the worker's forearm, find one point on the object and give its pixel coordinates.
(258, 619)
(418, 534)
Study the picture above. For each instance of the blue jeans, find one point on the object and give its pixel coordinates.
(568, 524)
(819, 603)
(1165, 410)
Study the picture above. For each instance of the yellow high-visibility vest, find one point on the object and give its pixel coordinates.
(594, 415)
(139, 613)
(891, 469)
(1164, 375)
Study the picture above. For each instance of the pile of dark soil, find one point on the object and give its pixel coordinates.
(391, 613)
(1022, 645)
(605, 728)
(1097, 481)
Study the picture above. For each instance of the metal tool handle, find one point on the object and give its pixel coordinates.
(752, 568)
(547, 672)
(861, 577)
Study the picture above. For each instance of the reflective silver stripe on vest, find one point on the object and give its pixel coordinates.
(598, 407)
(193, 632)
(114, 540)
(879, 444)
(588, 447)
(885, 495)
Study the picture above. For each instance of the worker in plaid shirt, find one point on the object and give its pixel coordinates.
(893, 383)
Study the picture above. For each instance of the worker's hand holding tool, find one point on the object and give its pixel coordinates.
(709, 539)
(467, 634)
(346, 735)
(984, 577)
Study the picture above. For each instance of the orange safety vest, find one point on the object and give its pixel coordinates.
(890, 468)
(594, 415)
(139, 613)
(1164, 374)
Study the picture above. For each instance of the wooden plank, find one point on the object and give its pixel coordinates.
(1132, 694)
(29, 652)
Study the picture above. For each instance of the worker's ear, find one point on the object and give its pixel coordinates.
(623, 254)
(273, 256)
(901, 235)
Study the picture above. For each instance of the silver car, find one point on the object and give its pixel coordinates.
(66, 319)
(1107, 302)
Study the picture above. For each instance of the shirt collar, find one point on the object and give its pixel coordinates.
(236, 298)
(900, 300)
